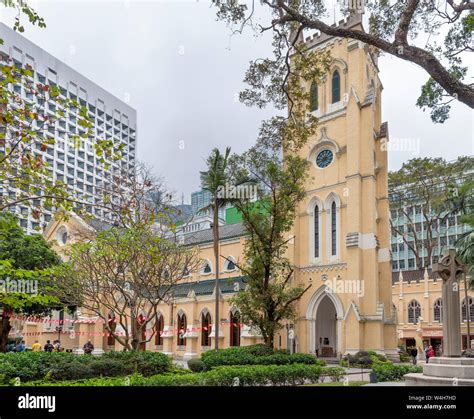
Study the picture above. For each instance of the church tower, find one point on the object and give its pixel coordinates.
(342, 231)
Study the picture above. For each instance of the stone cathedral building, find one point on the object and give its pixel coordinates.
(341, 243)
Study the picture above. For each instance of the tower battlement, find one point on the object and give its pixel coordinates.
(319, 38)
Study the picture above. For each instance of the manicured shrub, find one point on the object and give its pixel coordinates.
(146, 363)
(109, 368)
(29, 366)
(258, 350)
(247, 375)
(71, 371)
(255, 355)
(394, 372)
(300, 358)
(196, 365)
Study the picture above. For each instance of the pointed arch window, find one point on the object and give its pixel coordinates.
(464, 309)
(206, 268)
(333, 229)
(316, 231)
(313, 97)
(182, 324)
(230, 265)
(206, 328)
(336, 87)
(414, 312)
(438, 310)
(235, 328)
(160, 325)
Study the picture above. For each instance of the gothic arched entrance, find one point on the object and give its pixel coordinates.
(326, 328)
(325, 316)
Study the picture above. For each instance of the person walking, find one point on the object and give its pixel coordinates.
(57, 345)
(36, 347)
(431, 352)
(48, 347)
(414, 354)
(427, 348)
(88, 347)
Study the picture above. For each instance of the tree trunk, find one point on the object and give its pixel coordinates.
(269, 340)
(216, 262)
(5, 330)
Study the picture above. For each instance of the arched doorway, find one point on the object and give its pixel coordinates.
(326, 328)
(325, 315)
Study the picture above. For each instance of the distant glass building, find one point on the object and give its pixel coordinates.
(76, 165)
(201, 199)
(445, 232)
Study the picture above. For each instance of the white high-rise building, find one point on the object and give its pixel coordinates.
(75, 164)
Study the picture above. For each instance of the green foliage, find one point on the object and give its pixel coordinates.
(364, 359)
(137, 265)
(432, 185)
(74, 370)
(407, 30)
(216, 177)
(22, 123)
(214, 180)
(268, 300)
(259, 349)
(29, 366)
(394, 372)
(405, 356)
(30, 259)
(27, 251)
(196, 365)
(335, 374)
(251, 375)
(255, 355)
(145, 362)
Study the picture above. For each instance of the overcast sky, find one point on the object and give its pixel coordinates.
(182, 72)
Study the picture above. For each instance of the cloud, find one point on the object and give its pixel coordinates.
(182, 71)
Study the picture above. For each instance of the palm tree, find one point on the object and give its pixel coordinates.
(214, 180)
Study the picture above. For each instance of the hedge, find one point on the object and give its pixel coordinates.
(394, 372)
(28, 366)
(249, 375)
(255, 355)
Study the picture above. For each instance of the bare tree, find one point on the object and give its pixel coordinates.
(136, 200)
(125, 274)
(129, 269)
